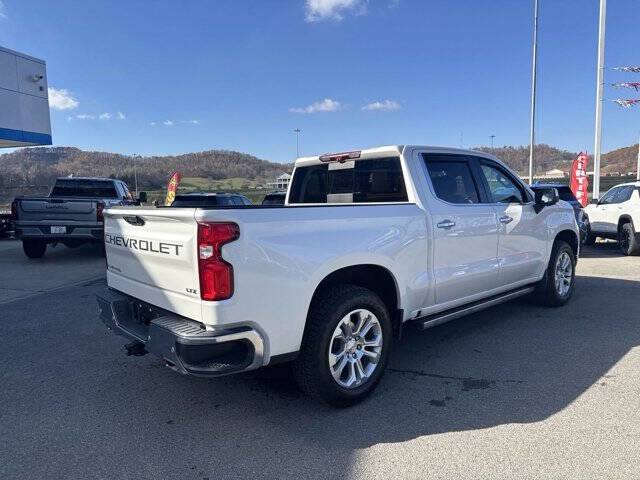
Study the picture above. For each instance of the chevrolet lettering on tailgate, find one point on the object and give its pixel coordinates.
(144, 245)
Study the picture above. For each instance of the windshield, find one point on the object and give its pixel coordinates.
(84, 188)
(195, 201)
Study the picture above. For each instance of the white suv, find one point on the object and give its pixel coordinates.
(617, 216)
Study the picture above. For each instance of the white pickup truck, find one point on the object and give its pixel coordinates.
(366, 242)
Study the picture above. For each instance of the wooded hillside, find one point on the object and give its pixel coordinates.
(39, 166)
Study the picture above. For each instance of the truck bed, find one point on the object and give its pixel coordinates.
(280, 249)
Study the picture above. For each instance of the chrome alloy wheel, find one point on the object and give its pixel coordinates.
(564, 274)
(355, 348)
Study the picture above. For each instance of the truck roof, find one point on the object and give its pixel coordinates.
(635, 184)
(394, 150)
(88, 178)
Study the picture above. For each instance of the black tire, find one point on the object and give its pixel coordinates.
(311, 367)
(628, 240)
(546, 292)
(590, 240)
(34, 248)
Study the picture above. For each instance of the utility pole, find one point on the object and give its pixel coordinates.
(135, 172)
(598, 136)
(492, 137)
(297, 132)
(533, 87)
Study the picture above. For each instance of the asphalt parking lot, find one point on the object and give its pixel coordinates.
(517, 391)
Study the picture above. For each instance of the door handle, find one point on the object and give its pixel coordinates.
(446, 224)
(505, 219)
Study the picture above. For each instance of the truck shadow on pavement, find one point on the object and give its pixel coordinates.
(514, 363)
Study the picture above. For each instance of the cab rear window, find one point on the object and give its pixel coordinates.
(84, 188)
(377, 180)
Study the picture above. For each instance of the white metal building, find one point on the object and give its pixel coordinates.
(24, 100)
(281, 183)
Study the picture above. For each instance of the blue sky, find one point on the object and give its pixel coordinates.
(197, 75)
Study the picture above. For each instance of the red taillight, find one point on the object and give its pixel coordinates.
(14, 210)
(340, 157)
(100, 212)
(216, 275)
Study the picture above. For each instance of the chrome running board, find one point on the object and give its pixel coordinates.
(438, 318)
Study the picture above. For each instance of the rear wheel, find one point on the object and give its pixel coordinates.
(34, 248)
(556, 287)
(345, 347)
(627, 240)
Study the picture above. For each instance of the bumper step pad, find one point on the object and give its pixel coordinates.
(183, 344)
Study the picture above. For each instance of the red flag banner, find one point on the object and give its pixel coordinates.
(174, 181)
(627, 102)
(579, 180)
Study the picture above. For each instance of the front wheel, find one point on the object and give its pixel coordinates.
(34, 248)
(346, 345)
(556, 287)
(627, 240)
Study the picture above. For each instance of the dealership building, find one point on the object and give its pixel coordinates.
(24, 101)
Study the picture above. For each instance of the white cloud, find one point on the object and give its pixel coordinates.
(326, 105)
(61, 99)
(384, 106)
(152, 124)
(105, 116)
(85, 116)
(319, 10)
(121, 116)
(168, 123)
(194, 122)
(2, 10)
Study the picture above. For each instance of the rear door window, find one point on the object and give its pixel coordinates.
(377, 180)
(84, 188)
(127, 193)
(452, 179)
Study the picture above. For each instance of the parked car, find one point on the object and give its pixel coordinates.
(582, 219)
(368, 242)
(207, 199)
(275, 198)
(6, 223)
(617, 216)
(72, 214)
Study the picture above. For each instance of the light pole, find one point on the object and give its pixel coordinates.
(638, 168)
(492, 137)
(297, 132)
(533, 86)
(598, 136)
(135, 171)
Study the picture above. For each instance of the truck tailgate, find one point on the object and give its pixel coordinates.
(151, 255)
(58, 209)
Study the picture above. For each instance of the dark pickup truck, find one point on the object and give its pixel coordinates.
(71, 214)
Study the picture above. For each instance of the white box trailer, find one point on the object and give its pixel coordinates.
(24, 100)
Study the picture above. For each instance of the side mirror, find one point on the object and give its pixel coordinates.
(594, 201)
(545, 197)
(142, 198)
